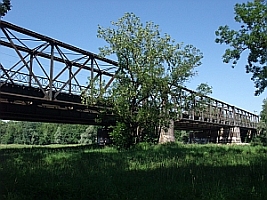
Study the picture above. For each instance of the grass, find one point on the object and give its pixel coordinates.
(171, 171)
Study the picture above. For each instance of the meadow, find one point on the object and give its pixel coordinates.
(170, 171)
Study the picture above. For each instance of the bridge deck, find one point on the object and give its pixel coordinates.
(46, 78)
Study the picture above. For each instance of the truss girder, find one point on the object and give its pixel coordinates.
(47, 70)
(210, 112)
(34, 50)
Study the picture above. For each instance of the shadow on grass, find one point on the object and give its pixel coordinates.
(164, 172)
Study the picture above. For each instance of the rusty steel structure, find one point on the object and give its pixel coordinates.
(200, 112)
(43, 83)
(46, 78)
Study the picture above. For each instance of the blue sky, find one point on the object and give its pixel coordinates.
(191, 21)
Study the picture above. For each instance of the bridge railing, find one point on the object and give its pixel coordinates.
(15, 77)
(200, 108)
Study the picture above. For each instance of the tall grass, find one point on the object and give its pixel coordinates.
(171, 171)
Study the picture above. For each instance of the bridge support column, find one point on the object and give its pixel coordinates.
(229, 135)
(167, 136)
(219, 137)
(223, 135)
(235, 135)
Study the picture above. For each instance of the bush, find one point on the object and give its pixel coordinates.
(89, 136)
(121, 137)
(259, 140)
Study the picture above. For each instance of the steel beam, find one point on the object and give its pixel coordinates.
(35, 94)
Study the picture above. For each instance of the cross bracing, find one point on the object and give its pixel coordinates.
(41, 74)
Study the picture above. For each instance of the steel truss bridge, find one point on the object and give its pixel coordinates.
(42, 79)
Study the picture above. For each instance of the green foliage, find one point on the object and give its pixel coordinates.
(263, 113)
(170, 171)
(58, 137)
(261, 138)
(182, 136)
(251, 37)
(46, 133)
(7, 131)
(204, 89)
(36, 133)
(5, 6)
(89, 136)
(120, 136)
(151, 66)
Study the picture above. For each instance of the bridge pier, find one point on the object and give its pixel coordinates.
(224, 135)
(167, 136)
(235, 136)
(229, 135)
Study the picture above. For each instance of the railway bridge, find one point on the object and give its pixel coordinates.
(43, 79)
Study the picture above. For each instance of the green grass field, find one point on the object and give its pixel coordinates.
(171, 171)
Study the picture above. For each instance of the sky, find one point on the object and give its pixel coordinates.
(188, 21)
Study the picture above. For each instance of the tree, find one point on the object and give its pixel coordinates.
(150, 67)
(251, 37)
(3, 130)
(5, 6)
(58, 136)
(71, 133)
(89, 136)
(262, 127)
(204, 89)
(46, 132)
(28, 132)
(11, 133)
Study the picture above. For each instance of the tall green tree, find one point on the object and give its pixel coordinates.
(5, 6)
(151, 65)
(261, 137)
(251, 38)
(263, 113)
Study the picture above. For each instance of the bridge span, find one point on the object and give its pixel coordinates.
(42, 79)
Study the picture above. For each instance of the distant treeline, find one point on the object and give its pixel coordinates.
(37, 133)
